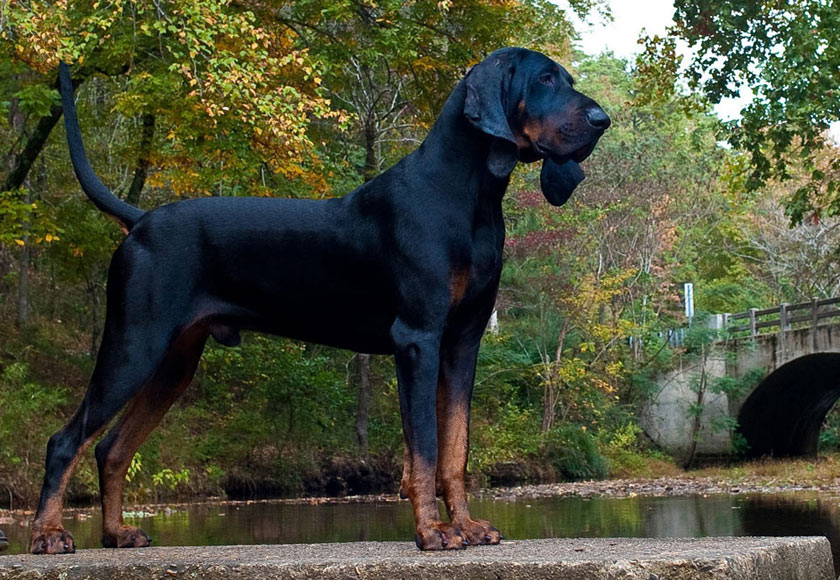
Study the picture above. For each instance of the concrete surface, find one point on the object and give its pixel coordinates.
(667, 416)
(567, 559)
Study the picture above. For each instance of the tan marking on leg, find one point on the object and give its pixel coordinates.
(432, 534)
(49, 519)
(453, 417)
(453, 450)
(421, 490)
(125, 229)
(406, 474)
(142, 415)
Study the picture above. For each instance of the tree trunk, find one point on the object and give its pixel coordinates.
(369, 171)
(16, 122)
(363, 404)
(23, 279)
(142, 167)
(23, 161)
(697, 411)
(371, 167)
(551, 391)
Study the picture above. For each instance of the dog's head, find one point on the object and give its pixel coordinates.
(527, 103)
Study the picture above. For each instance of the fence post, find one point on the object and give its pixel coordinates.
(784, 325)
(753, 331)
(815, 318)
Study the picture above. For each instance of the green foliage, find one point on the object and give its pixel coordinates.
(699, 336)
(787, 54)
(135, 467)
(623, 447)
(740, 446)
(171, 479)
(28, 410)
(734, 387)
(513, 435)
(573, 452)
(36, 99)
(22, 220)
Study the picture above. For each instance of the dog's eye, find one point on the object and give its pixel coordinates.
(547, 79)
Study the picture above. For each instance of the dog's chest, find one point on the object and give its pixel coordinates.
(477, 273)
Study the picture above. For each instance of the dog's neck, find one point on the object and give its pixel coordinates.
(454, 143)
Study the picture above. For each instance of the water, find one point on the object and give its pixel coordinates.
(651, 517)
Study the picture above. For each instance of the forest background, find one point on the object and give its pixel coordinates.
(309, 99)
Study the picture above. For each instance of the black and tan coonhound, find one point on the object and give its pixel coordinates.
(407, 264)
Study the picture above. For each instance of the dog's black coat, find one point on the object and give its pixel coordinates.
(407, 264)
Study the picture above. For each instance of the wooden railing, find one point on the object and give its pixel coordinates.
(782, 317)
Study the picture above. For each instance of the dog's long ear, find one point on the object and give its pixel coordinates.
(487, 86)
(558, 181)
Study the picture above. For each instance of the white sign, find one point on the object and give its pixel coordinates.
(688, 290)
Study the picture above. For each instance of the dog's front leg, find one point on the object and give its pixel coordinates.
(417, 358)
(458, 356)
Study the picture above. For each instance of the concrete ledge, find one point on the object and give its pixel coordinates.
(570, 559)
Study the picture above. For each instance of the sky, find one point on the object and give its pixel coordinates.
(629, 18)
(620, 36)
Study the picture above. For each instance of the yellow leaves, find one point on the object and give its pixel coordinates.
(218, 71)
(36, 31)
(614, 368)
(426, 64)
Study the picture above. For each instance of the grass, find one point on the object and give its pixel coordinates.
(824, 470)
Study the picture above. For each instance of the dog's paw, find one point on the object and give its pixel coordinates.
(478, 532)
(127, 537)
(52, 541)
(439, 536)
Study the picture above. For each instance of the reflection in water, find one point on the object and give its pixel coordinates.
(653, 517)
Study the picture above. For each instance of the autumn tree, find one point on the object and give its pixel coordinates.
(201, 100)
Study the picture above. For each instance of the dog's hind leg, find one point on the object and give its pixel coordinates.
(139, 330)
(115, 452)
(126, 361)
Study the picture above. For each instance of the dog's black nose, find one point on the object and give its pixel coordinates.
(596, 117)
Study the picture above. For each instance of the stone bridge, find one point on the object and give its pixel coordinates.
(765, 387)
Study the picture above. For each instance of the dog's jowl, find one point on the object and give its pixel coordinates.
(407, 264)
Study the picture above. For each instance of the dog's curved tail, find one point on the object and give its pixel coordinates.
(102, 197)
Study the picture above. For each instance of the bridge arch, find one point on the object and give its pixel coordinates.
(783, 416)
